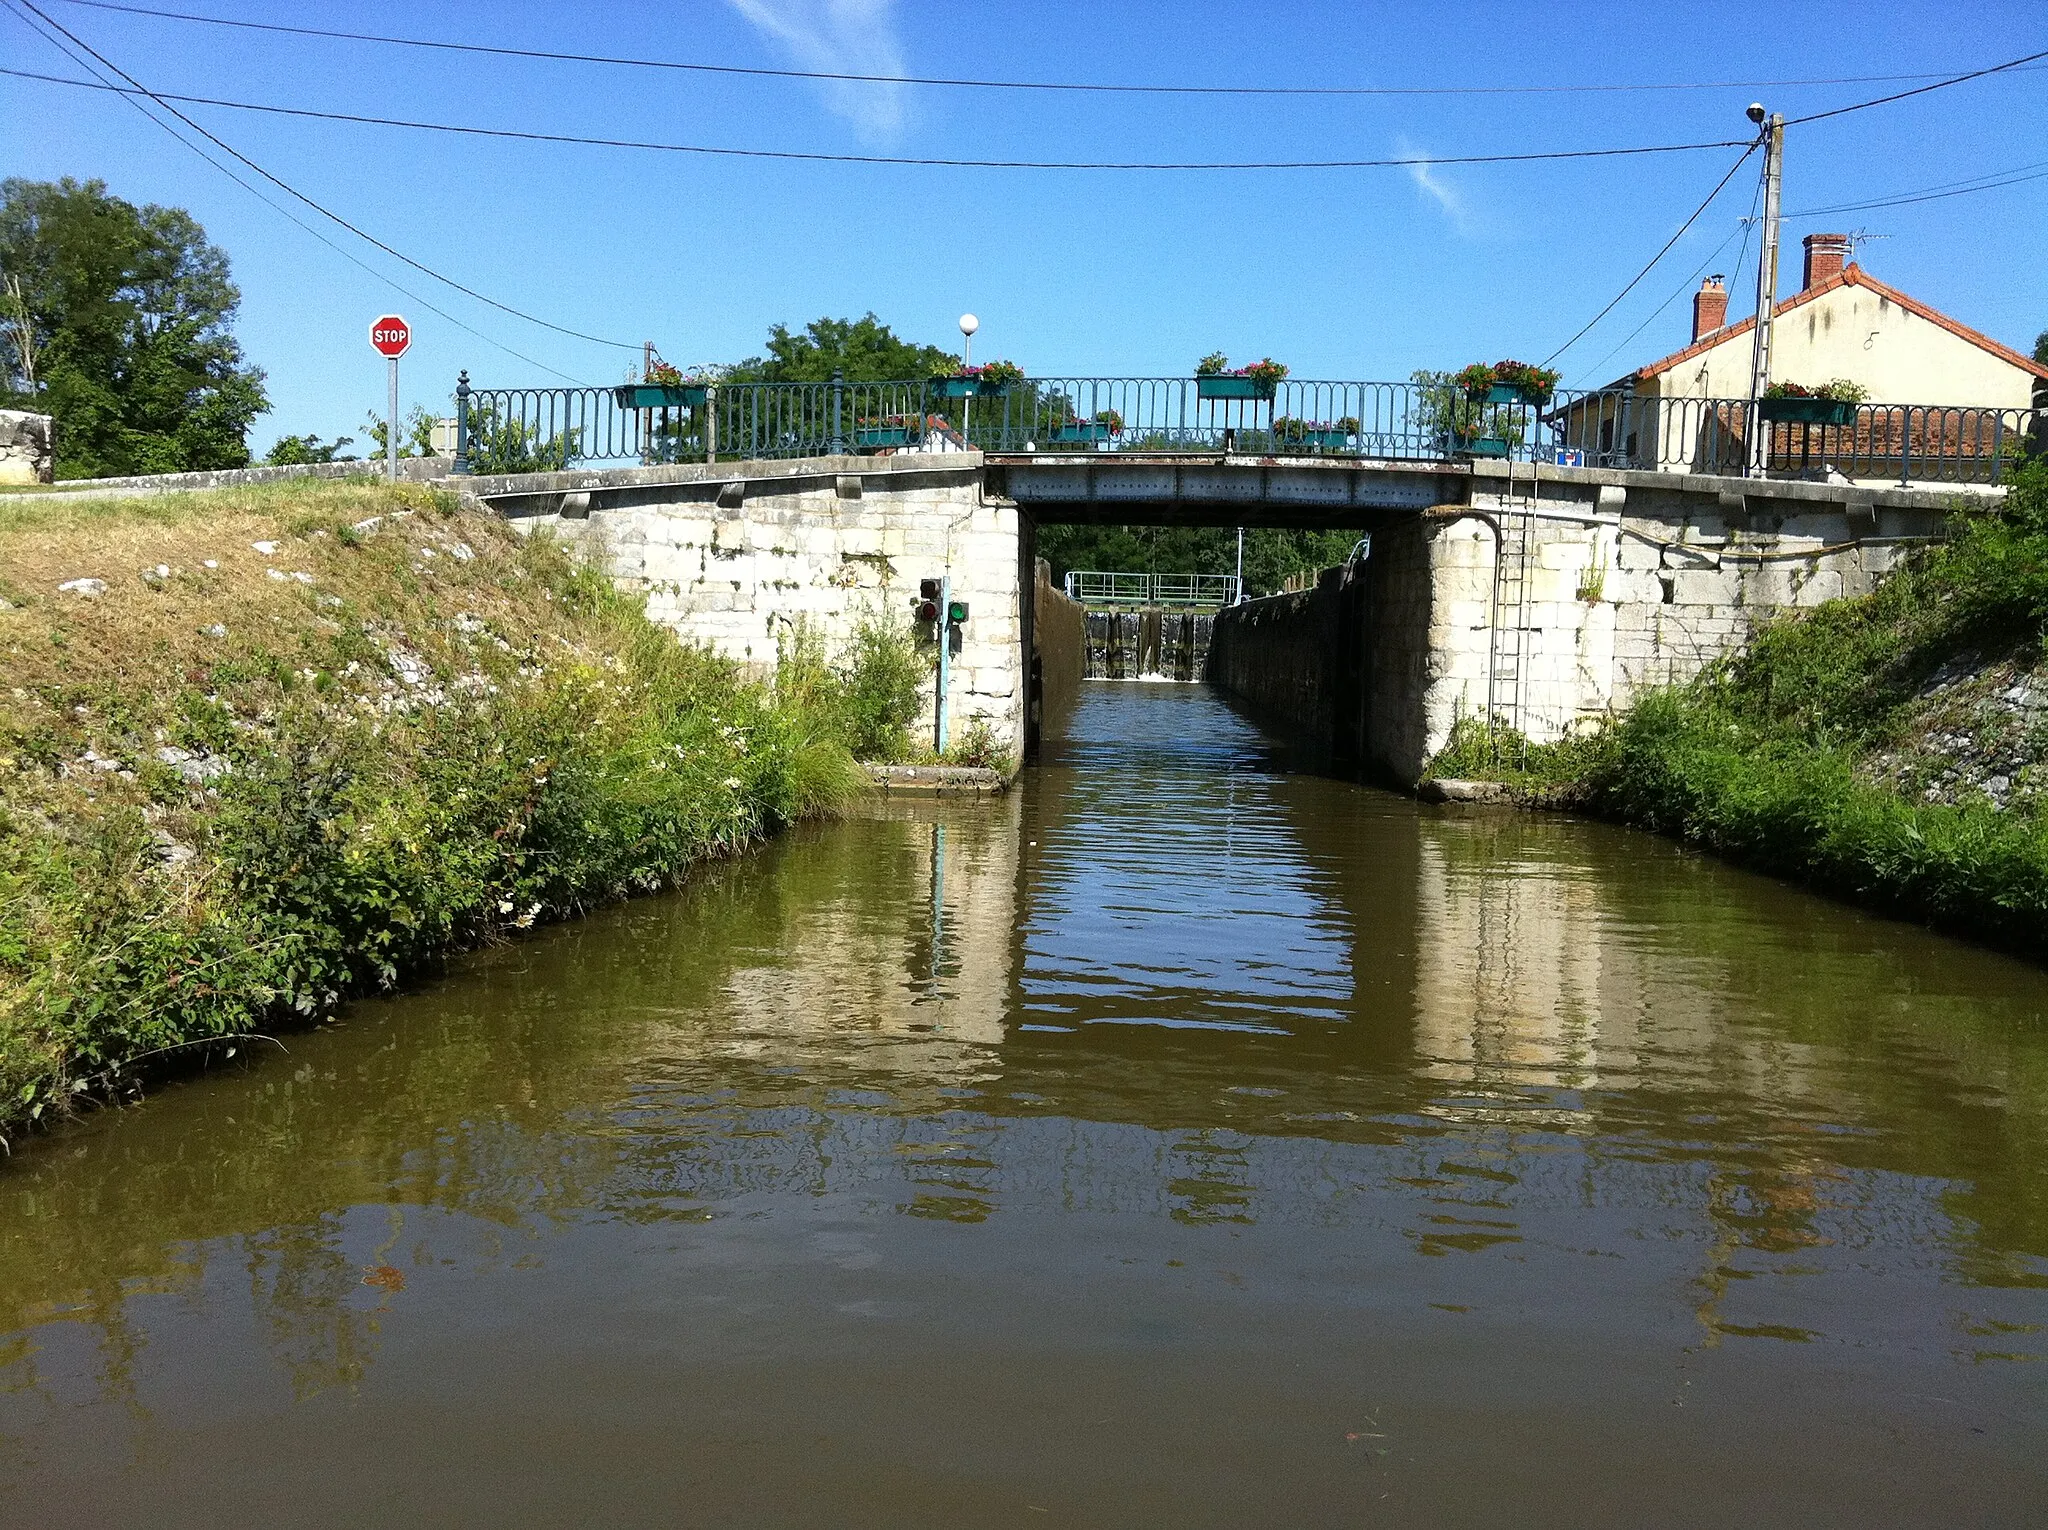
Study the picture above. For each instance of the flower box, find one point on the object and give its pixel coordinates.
(868, 437)
(660, 395)
(1512, 393)
(1086, 430)
(1808, 411)
(970, 387)
(1321, 440)
(1483, 446)
(1226, 386)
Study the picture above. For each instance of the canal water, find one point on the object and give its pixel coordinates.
(1182, 1140)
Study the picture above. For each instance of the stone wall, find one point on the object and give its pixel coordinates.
(1278, 655)
(1059, 657)
(736, 562)
(410, 469)
(28, 446)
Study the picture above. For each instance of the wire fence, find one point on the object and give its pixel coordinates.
(517, 430)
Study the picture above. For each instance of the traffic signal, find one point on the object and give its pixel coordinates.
(926, 606)
(956, 612)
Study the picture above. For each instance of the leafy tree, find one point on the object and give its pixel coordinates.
(1271, 554)
(864, 349)
(415, 433)
(119, 322)
(291, 450)
(2041, 347)
(500, 445)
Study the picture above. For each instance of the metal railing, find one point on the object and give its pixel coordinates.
(509, 430)
(1120, 591)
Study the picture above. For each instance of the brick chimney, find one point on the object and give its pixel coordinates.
(1709, 307)
(1825, 256)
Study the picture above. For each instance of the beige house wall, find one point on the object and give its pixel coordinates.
(1855, 333)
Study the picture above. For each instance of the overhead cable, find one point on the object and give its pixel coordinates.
(1393, 162)
(558, 56)
(1719, 186)
(135, 86)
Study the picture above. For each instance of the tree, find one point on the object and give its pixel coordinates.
(863, 349)
(119, 319)
(1271, 554)
(292, 450)
(2041, 347)
(415, 433)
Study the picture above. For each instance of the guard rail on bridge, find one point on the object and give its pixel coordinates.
(1134, 592)
(514, 430)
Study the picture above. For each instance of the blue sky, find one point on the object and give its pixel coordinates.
(1341, 274)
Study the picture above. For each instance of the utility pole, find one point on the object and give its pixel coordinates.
(1766, 287)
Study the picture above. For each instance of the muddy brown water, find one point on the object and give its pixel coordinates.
(1180, 1141)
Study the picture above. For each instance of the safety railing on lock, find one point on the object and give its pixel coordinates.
(521, 430)
(1100, 590)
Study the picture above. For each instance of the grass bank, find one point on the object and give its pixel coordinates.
(262, 749)
(1888, 748)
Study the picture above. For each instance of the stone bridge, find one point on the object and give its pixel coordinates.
(1542, 596)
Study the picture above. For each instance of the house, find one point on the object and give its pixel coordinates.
(1946, 389)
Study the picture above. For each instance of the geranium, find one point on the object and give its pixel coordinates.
(661, 374)
(1840, 391)
(1216, 364)
(1110, 421)
(1532, 382)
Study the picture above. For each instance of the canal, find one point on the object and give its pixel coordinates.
(1180, 1140)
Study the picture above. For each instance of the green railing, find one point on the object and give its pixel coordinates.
(518, 430)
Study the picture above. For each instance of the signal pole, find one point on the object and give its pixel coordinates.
(1766, 287)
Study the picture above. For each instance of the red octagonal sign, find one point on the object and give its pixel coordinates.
(391, 335)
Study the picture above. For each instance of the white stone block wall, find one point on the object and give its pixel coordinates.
(738, 579)
(28, 447)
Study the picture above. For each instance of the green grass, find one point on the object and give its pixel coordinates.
(231, 796)
(1767, 756)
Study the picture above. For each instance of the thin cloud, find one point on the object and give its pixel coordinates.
(1440, 191)
(842, 36)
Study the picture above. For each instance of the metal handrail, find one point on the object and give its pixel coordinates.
(534, 429)
(1134, 591)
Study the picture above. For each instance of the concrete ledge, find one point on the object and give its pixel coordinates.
(1919, 496)
(716, 476)
(410, 469)
(975, 779)
(1452, 790)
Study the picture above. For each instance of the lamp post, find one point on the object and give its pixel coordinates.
(968, 325)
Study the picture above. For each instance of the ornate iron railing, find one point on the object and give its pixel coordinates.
(505, 430)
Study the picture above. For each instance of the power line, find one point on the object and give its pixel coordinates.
(1742, 227)
(1936, 193)
(556, 56)
(526, 136)
(293, 191)
(1633, 280)
(291, 217)
(1974, 74)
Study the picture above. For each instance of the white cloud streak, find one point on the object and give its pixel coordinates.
(844, 36)
(1440, 191)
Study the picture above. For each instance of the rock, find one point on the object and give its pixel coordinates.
(92, 589)
(268, 549)
(1452, 790)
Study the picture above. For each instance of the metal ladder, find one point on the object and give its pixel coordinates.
(1507, 636)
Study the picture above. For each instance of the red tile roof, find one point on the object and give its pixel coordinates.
(1851, 275)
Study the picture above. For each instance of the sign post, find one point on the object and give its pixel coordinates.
(391, 336)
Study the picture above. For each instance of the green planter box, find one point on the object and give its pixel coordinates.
(1808, 411)
(1483, 446)
(1510, 393)
(1317, 440)
(659, 396)
(1074, 434)
(1234, 387)
(867, 437)
(969, 387)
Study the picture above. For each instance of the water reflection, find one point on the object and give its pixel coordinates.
(1170, 1049)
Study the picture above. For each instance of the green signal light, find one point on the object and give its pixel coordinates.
(956, 611)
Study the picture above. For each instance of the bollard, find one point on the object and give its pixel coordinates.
(461, 424)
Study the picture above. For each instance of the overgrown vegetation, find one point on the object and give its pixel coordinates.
(1827, 749)
(284, 744)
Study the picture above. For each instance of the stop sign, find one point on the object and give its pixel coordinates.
(391, 335)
